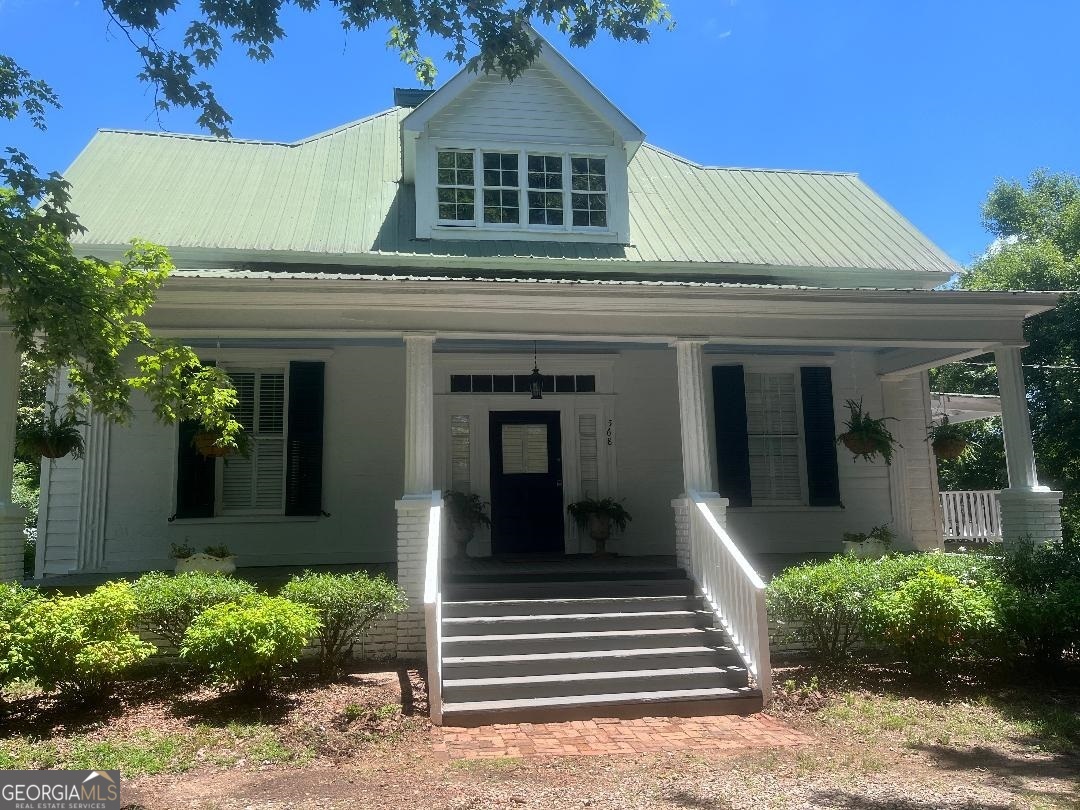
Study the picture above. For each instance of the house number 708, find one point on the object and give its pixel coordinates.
(610, 432)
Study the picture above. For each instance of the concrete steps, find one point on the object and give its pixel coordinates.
(536, 647)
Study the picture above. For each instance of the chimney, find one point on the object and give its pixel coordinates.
(410, 97)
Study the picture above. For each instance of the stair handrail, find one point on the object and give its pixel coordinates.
(733, 589)
(433, 608)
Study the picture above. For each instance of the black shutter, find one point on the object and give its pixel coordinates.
(195, 474)
(822, 477)
(304, 457)
(732, 448)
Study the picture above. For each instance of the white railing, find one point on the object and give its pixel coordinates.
(972, 515)
(733, 588)
(433, 608)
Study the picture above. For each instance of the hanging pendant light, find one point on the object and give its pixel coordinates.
(536, 379)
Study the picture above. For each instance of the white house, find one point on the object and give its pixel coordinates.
(382, 292)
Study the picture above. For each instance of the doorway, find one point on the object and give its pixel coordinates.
(526, 482)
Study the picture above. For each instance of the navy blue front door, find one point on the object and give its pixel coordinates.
(526, 482)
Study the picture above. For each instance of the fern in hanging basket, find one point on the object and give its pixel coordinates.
(949, 441)
(208, 444)
(51, 436)
(867, 437)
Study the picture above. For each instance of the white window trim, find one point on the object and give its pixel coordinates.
(219, 475)
(429, 226)
(523, 190)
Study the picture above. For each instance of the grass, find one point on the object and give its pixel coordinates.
(982, 720)
(148, 753)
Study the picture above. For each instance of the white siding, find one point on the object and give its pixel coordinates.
(536, 107)
(864, 487)
(58, 518)
(363, 470)
(914, 485)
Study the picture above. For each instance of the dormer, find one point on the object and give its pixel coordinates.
(541, 158)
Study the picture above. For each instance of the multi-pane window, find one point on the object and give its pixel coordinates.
(255, 482)
(588, 184)
(545, 190)
(772, 426)
(501, 188)
(562, 191)
(456, 186)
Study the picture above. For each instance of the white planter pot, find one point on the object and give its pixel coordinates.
(868, 550)
(206, 564)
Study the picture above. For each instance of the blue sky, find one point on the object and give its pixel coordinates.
(928, 101)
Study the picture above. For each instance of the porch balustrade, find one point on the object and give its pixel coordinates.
(732, 588)
(971, 515)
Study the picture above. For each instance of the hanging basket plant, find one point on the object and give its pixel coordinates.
(948, 441)
(867, 437)
(51, 436)
(208, 444)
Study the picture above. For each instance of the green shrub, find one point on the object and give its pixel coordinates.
(1045, 624)
(14, 600)
(824, 605)
(930, 618)
(1039, 607)
(969, 569)
(246, 643)
(169, 603)
(1036, 568)
(347, 606)
(81, 644)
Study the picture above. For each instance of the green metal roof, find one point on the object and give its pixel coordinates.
(340, 195)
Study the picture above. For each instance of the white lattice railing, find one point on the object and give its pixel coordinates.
(972, 515)
(733, 588)
(433, 608)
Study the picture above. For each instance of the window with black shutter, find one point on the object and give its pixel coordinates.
(281, 411)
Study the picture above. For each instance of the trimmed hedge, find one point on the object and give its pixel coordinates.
(347, 606)
(80, 645)
(245, 644)
(929, 609)
(168, 603)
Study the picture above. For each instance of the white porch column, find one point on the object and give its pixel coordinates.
(419, 415)
(412, 509)
(1028, 511)
(693, 423)
(11, 516)
(694, 431)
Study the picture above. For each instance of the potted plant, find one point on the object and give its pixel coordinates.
(49, 436)
(464, 512)
(866, 436)
(869, 545)
(949, 441)
(599, 516)
(211, 560)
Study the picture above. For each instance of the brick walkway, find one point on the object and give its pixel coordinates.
(609, 736)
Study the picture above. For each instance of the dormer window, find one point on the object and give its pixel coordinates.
(457, 188)
(522, 190)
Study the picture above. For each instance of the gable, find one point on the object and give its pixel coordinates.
(537, 107)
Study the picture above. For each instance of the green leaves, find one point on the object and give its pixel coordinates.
(20, 93)
(347, 606)
(246, 643)
(498, 30)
